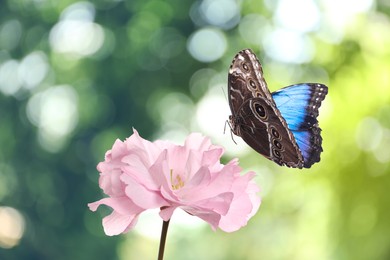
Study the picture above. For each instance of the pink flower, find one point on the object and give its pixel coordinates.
(138, 175)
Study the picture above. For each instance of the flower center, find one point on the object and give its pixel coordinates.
(176, 181)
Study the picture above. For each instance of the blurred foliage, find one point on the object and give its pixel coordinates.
(74, 76)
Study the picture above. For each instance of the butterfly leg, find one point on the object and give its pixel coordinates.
(231, 130)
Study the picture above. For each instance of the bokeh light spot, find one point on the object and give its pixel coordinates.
(54, 112)
(347, 8)
(10, 82)
(382, 153)
(288, 46)
(33, 69)
(207, 44)
(76, 33)
(199, 82)
(76, 37)
(299, 15)
(79, 11)
(221, 13)
(175, 107)
(338, 15)
(11, 227)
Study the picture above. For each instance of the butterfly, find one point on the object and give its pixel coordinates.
(283, 125)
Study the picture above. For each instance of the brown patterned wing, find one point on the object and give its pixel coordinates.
(246, 80)
(259, 125)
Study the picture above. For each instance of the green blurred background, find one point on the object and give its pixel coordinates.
(74, 76)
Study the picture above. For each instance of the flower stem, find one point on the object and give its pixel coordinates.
(163, 238)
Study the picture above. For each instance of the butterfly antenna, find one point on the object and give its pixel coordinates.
(227, 121)
(224, 93)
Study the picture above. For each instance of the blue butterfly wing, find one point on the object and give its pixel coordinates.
(299, 105)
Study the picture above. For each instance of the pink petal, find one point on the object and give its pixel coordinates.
(210, 217)
(138, 171)
(111, 184)
(193, 164)
(199, 180)
(141, 196)
(212, 157)
(123, 217)
(177, 158)
(118, 149)
(219, 204)
(122, 204)
(147, 151)
(244, 206)
(166, 212)
(161, 173)
(219, 183)
(169, 194)
(115, 223)
(198, 142)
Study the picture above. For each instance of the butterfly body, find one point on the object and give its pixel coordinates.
(282, 126)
